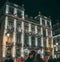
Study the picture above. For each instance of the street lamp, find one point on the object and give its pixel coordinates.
(56, 43)
(8, 34)
(56, 46)
(8, 37)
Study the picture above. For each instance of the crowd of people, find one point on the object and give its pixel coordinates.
(56, 59)
(32, 57)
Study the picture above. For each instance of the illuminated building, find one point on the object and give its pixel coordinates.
(19, 32)
(56, 38)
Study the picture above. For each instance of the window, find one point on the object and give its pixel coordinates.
(33, 29)
(18, 38)
(19, 13)
(26, 27)
(18, 44)
(33, 41)
(11, 10)
(44, 42)
(49, 32)
(18, 33)
(39, 30)
(18, 26)
(26, 40)
(39, 42)
(50, 42)
(48, 23)
(10, 23)
(44, 33)
(43, 22)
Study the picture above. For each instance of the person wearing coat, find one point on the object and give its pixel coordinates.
(38, 58)
(9, 59)
(30, 58)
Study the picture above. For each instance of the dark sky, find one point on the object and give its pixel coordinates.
(47, 7)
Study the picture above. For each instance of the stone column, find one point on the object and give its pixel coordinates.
(42, 45)
(22, 35)
(36, 40)
(29, 36)
(22, 39)
(52, 40)
(47, 44)
(52, 44)
(5, 31)
(14, 35)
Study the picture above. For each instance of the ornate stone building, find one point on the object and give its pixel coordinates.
(19, 32)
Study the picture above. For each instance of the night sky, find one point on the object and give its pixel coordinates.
(46, 7)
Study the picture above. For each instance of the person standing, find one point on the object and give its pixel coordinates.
(30, 58)
(21, 59)
(9, 59)
(38, 58)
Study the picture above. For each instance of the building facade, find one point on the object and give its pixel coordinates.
(56, 39)
(19, 33)
(56, 29)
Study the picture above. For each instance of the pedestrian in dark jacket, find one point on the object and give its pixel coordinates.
(9, 59)
(51, 59)
(38, 58)
(30, 58)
